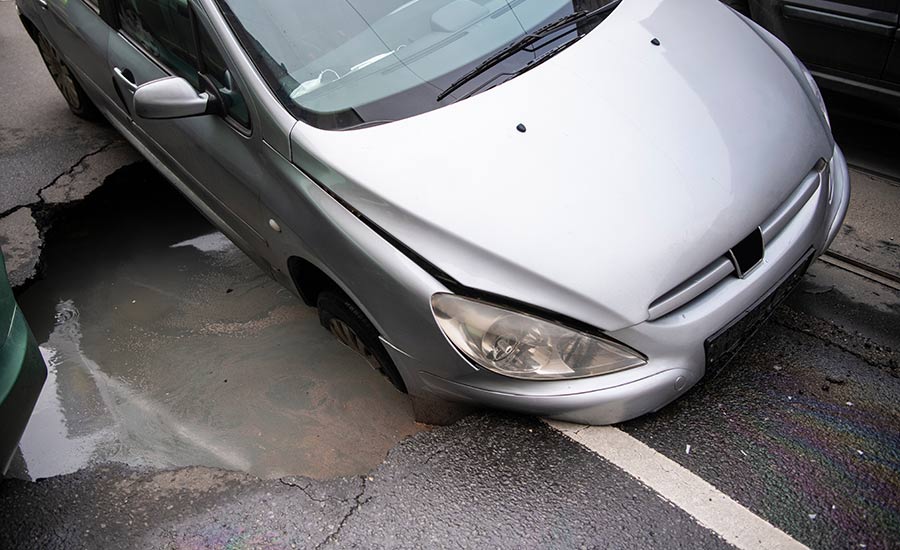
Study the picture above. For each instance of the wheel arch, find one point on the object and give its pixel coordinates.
(310, 280)
(30, 27)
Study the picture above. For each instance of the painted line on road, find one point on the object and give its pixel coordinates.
(710, 507)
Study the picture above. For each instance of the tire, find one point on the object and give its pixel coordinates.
(77, 100)
(340, 316)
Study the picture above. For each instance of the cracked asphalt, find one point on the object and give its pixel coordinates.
(49, 156)
(488, 481)
(22, 226)
(802, 428)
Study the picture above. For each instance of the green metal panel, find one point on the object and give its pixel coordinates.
(7, 304)
(22, 372)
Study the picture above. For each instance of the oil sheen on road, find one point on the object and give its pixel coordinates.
(800, 432)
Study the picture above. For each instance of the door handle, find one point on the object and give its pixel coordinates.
(42, 4)
(126, 78)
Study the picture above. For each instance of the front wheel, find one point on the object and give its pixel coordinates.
(340, 316)
(76, 98)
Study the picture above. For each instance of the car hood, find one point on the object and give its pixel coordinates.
(640, 164)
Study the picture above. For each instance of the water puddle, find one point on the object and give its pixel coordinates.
(167, 347)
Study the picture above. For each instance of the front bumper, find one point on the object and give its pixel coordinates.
(673, 343)
(23, 374)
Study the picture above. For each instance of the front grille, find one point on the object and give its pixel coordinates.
(711, 275)
(722, 346)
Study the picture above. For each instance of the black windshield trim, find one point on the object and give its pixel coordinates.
(276, 76)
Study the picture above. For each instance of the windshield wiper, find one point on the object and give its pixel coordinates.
(527, 40)
(528, 66)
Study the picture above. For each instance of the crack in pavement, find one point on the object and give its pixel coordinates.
(858, 345)
(68, 171)
(305, 489)
(357, 501)
(77, 163)
(17, 207)
(353, 509)
(70, 186)
(87, 175)
(432, 455)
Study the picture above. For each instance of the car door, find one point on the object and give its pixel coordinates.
(213, 155)
(892, 69)
(81, 35)
(838, 36)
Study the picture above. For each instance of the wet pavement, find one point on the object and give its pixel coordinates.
(488, 481)
(869, 134)
(168, 347)
(871, 231)
(806, 435)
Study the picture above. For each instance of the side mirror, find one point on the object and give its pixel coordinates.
(171, 97)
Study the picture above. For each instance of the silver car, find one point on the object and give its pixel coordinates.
(567, 208)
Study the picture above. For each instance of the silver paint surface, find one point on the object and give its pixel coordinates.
(637, 171)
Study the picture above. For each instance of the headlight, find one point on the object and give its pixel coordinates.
(816, 92)
(522, 346)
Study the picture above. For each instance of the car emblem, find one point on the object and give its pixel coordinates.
(747, 254)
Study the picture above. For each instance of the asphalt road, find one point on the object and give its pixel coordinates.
(488, 481)
(40, 139)
(144, 444)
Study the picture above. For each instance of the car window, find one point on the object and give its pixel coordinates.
(215, 68)
(338, 64)
(163, 29)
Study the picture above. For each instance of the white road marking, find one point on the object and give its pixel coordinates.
(709, 506)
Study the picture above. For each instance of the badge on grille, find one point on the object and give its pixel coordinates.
(747, 254)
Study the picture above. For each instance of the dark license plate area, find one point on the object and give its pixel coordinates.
(722, 346)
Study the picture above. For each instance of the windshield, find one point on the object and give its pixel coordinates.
(344, 63)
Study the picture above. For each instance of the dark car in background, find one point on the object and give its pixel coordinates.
(851, 46)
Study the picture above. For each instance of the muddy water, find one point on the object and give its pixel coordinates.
(167, 347)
